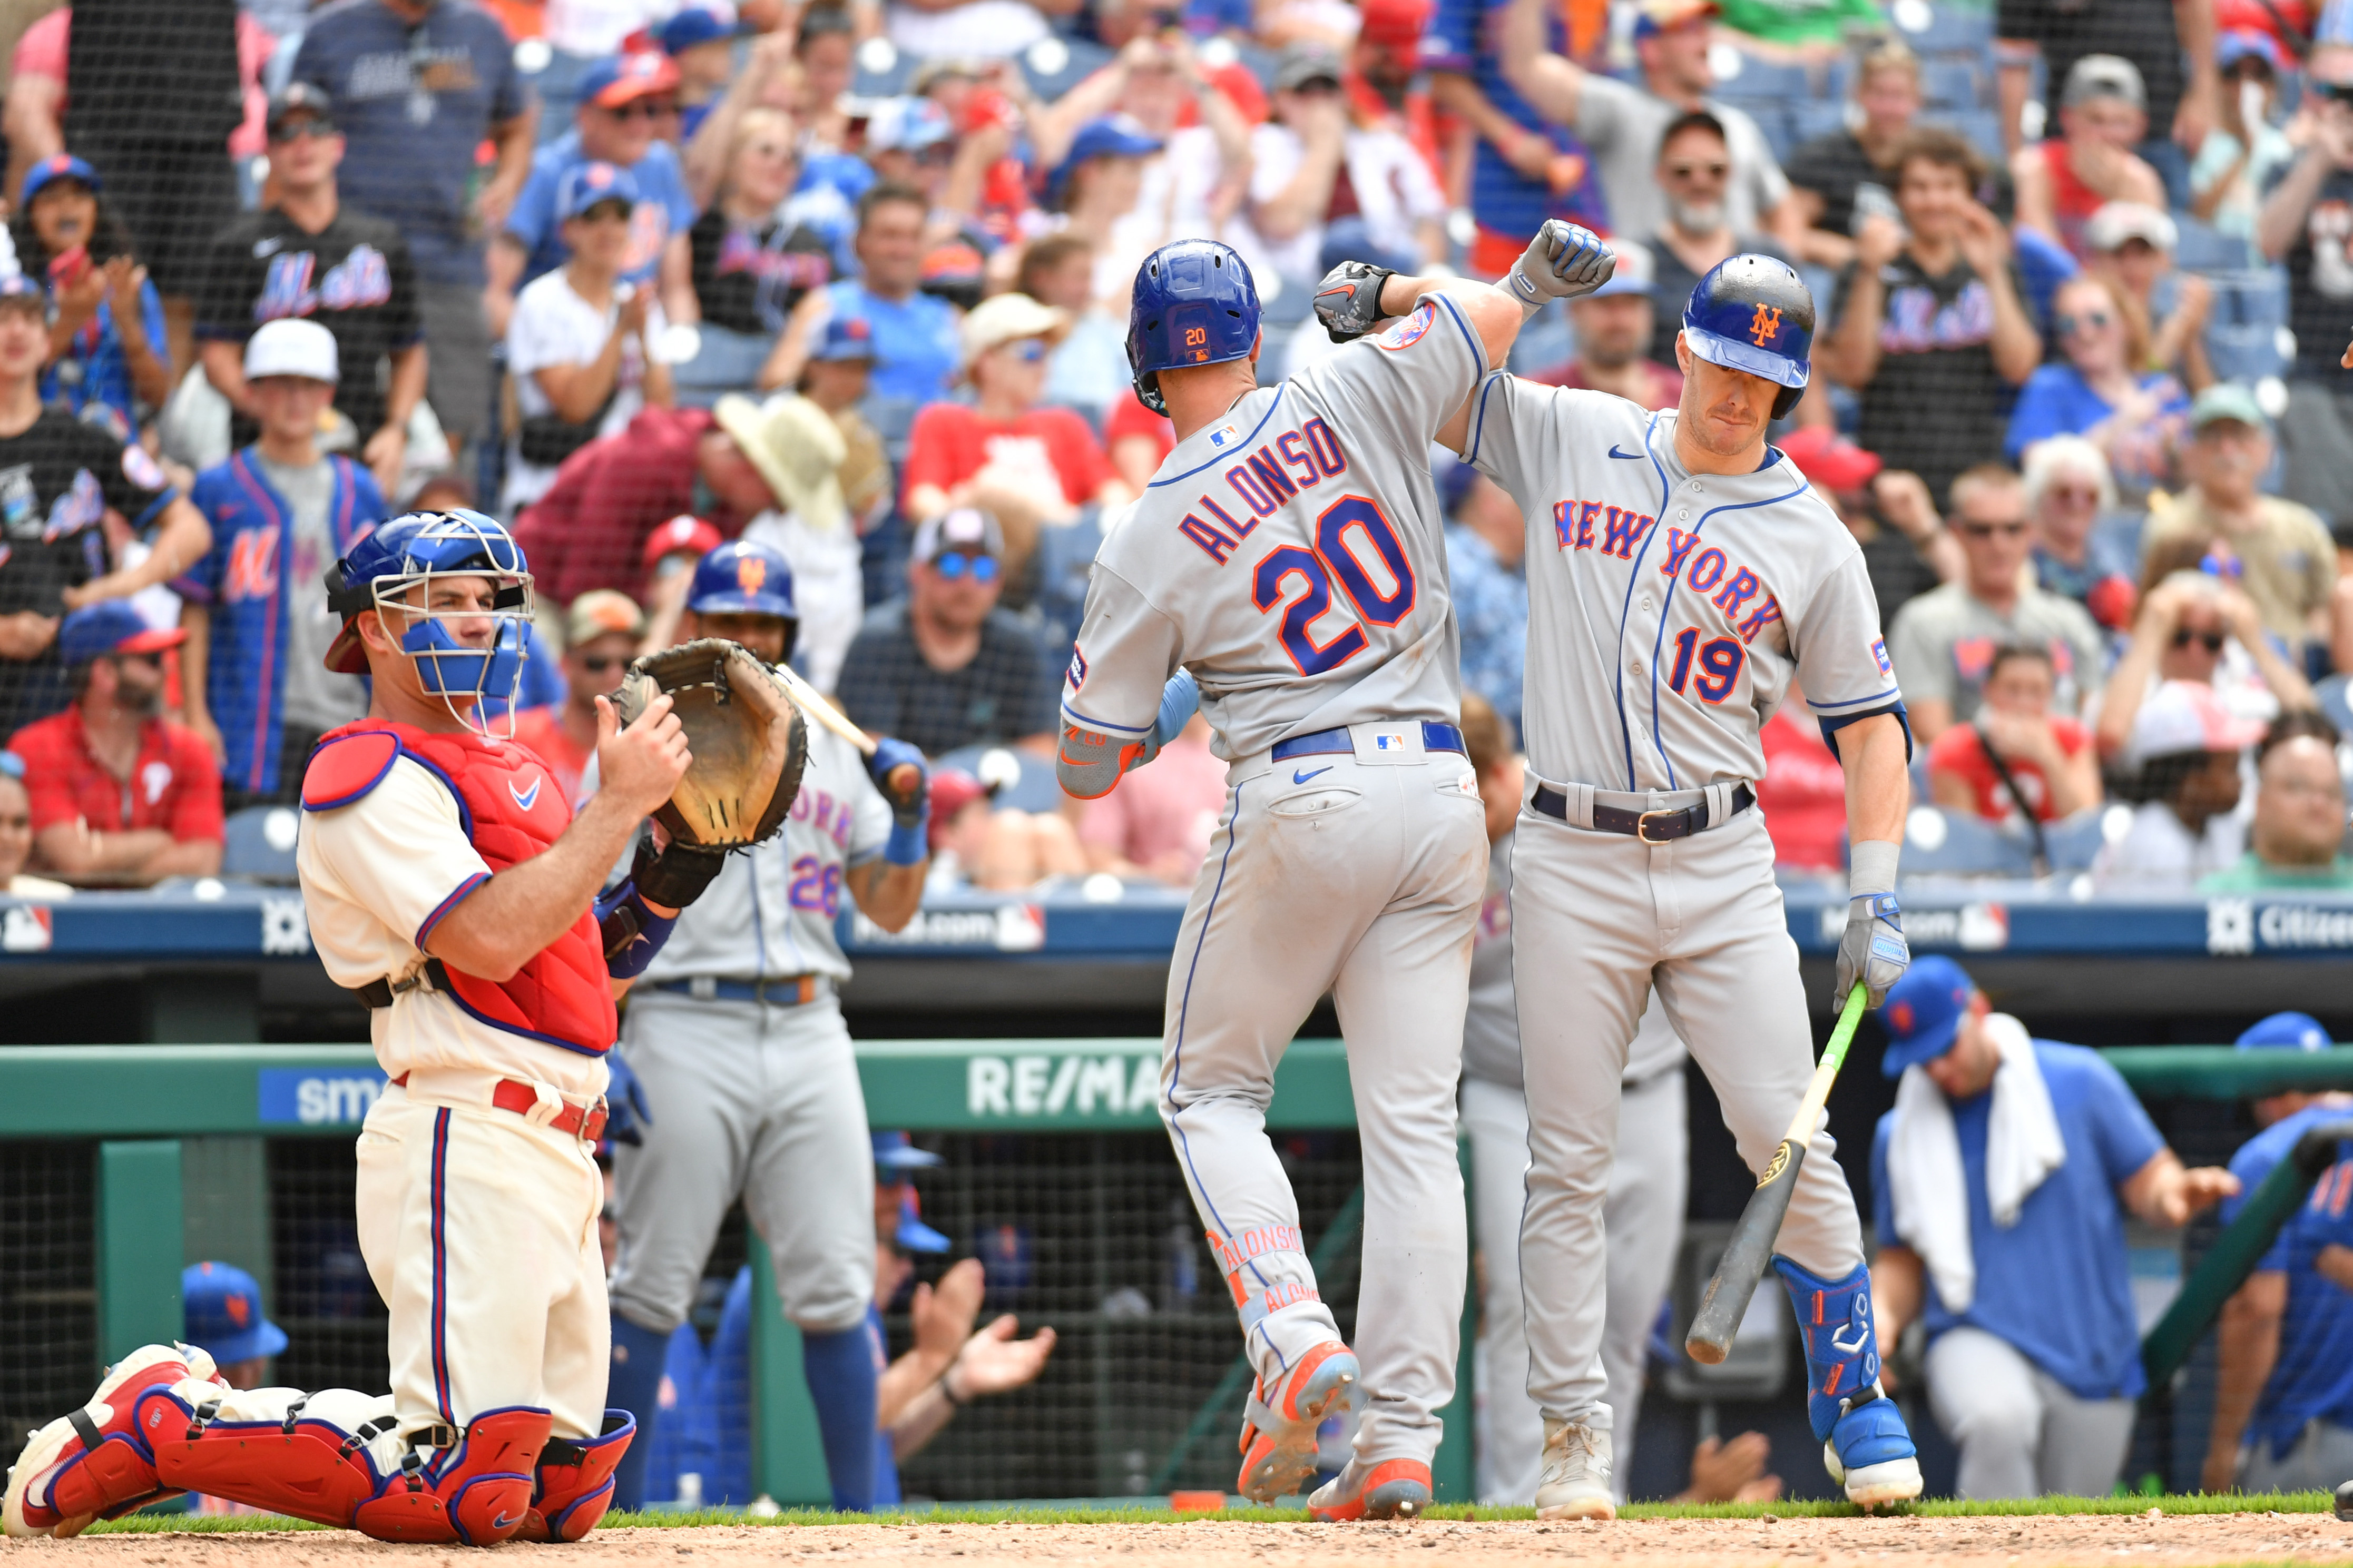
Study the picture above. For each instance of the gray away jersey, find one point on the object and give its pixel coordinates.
(1667, 610)
(770, 912)
(1291, 555)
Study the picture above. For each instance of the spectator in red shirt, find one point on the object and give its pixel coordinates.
(120, 793)
(589, 531)
(600, 637)
(1614, 327)
(2051, 768)
(1140, 440)
(1803, 792)
(1032, 467)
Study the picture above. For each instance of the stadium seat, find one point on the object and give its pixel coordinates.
(2335, 702)
(1948, 30)
(1951, 84)
(1981, 126)
(260, 843)
(882, 69)
(1817, 117)
(1054, 65)
(2074, 841)
(1025, 783)
(725, 361)
(2245, 354)
(1750, 81)
(1938, 842)
(2204, 249)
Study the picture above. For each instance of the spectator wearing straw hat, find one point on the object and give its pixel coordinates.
(1031, 467)
(257, 688)
(2283, 1391)
(799, 450)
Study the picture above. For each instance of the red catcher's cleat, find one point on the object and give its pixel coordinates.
(1278, 1444)
(94, 1463)
(1394, 1488)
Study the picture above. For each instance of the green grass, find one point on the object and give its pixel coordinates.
(1049, 1513)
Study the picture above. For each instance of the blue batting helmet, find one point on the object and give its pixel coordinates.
(743, 579)
(407, 553)
(1194, 303)
(1752, 313)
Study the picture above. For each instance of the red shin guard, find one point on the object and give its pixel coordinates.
(576, 1481)
(477, 1490)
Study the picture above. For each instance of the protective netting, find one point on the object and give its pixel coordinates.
(49, 1331)
(334, 1318)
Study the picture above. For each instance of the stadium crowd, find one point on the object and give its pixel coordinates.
(646, 277)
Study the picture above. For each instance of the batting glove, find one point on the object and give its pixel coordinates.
(1562, 262)
(1872, 949)
(910, 809)
(1348, 300)
(626, 1115)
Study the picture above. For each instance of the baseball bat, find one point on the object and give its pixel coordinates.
(902, 779)
(1746, 1255)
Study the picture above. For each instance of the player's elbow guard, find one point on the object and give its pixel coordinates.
(1089, 761)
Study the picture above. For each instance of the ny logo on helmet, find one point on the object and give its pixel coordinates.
(1766, 324)
(750, 573)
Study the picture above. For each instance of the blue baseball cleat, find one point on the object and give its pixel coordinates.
(1870, 1453)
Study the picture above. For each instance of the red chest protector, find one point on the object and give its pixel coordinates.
(512, 810)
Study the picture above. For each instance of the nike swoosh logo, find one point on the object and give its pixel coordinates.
(1630, 456)
(1329, 292)
(1298, 777)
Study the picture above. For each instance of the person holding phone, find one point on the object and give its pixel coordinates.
(106, 341)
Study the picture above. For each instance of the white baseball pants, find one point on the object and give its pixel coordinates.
(1362, 877)
(1597, 919)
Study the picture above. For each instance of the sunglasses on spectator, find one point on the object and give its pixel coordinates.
(307, 128)
(2184, 636)
(2096, 319)
(597, 664)
(955, 564)
(1686, 170)
(643, 108)
(2340, 91)
(2074, 492)
(153, 661)
(1987, 530)
(1028, 351)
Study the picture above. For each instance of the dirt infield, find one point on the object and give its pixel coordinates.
(2024, 1541)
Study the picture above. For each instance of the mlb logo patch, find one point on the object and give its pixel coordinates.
(1388, 741)
(1224, 435)
(1879, 653)
(1077, 671)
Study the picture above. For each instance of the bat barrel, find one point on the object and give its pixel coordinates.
(1745, 1258)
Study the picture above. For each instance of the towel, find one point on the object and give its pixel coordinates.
(1924, 1174)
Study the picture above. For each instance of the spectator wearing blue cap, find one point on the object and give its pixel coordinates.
(582, 343)
(701, 43)
(836, 377)
(107, 335)
(2283, 1393)
(2002, 1179)
(625, 102)
(59, 476)
(257, 685)
(418, 86)
(121, 793)
(221, 1307)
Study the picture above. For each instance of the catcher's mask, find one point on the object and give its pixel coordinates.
(392, 572)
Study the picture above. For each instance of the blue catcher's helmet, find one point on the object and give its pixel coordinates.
(743, 579)
(1753, 313)
(1195, 303)
(410, 551)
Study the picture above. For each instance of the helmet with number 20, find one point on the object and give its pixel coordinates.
(1195, 303)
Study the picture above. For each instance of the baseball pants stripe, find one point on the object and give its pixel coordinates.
(1598, 919)
(1364, 880)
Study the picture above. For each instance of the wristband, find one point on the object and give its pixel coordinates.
(1871, 867)
(1524, 298)
(909, 842)
(632, 933)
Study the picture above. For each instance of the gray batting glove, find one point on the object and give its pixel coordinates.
(1348, 300)
(1872, 949)
(1562, 262)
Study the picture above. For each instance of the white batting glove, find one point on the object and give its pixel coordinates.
(1562, 262)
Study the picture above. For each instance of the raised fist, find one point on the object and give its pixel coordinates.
(1348, 300)
(1562, 261)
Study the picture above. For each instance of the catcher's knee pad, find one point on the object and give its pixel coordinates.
(1841, 1343)
(576, 1480)
(318, 1457)
(97, 1462)
(477, 1489)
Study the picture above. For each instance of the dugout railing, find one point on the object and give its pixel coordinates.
(119, 1164)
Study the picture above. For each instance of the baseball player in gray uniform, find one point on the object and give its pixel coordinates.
(745, 1079)
(1289, 558)
(1679, 574)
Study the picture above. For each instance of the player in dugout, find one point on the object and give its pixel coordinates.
(2002, 1179)
(447, 883)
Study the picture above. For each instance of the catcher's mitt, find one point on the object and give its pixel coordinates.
(750, 743)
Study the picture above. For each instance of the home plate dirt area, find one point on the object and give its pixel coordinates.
(1999, 1542)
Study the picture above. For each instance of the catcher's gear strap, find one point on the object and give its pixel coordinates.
(748, 740)
(576, 1481)
(317, 1457)
(379, 992)
(477, 1490)
(1093, 754)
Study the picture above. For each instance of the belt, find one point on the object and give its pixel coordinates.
(791, 991)
(1323, 742)
(1650, 827)
(586, 1122)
